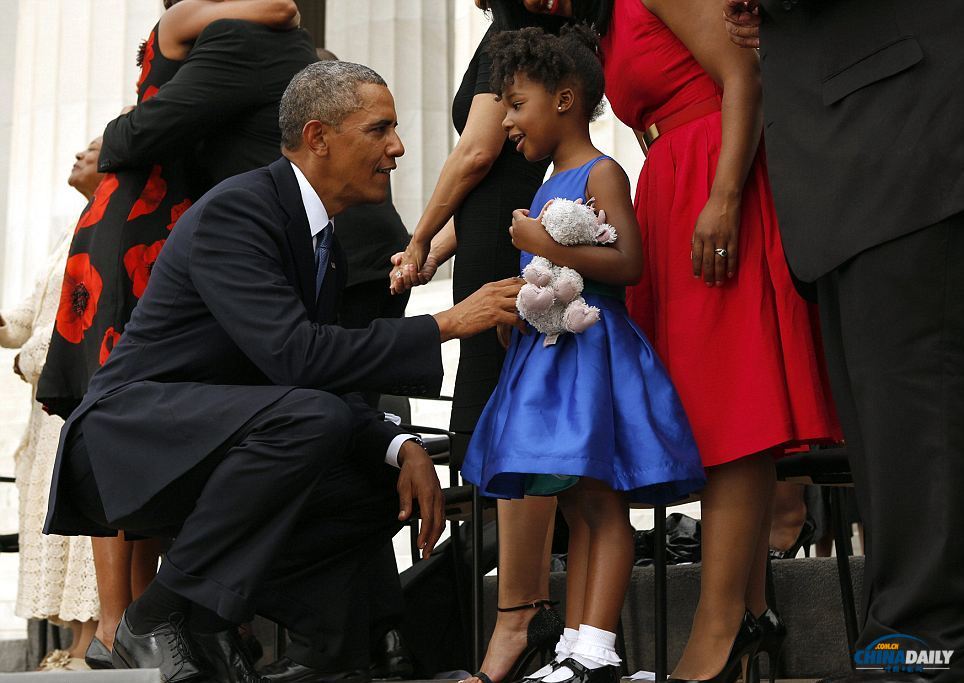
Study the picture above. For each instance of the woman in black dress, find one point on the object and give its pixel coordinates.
(115, 244)
(482, 181)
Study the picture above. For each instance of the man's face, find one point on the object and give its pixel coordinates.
(364, 147)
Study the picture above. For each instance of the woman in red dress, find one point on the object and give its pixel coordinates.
(717, 300)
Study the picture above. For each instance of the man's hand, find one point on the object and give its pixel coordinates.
(485, 308)
(742, 19)
(418, 481)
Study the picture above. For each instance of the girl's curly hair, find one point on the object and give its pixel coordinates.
(554, 61)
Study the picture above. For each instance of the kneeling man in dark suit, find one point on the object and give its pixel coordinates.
(227, 416)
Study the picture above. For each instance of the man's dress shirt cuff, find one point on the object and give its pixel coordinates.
(395, 446)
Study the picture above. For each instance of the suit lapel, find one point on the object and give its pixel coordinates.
(297, 232)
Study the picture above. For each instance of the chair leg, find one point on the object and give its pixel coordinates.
(844, 549)
(621, 647)
(413, 541)
(659, 585)
(477, 650)
(280, 641)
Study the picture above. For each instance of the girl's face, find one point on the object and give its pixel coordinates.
(531, 114)
(560, 8)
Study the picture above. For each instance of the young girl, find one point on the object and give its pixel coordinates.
(593, 418)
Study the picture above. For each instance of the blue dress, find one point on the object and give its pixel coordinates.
(597, 404)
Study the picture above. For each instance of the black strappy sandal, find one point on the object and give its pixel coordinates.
(542, 634)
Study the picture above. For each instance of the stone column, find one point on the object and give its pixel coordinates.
(72, 69)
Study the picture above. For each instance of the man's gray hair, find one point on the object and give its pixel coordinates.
(324, 91)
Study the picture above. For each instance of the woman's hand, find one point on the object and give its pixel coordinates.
(528, 234)
(407, 267)
(715, 241)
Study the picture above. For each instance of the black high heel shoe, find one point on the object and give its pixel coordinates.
(97, 655)
(745, 645)
(774, 633)
(542, 634)
(804, 541)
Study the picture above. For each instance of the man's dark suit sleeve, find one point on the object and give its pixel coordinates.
(236, 268)
(371, 433)
(219, 78)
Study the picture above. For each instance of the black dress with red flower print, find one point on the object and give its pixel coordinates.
(116, 242)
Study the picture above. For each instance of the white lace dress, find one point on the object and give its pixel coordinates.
(57, 579)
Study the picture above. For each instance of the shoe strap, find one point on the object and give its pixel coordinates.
(482, 676)
(529, 605)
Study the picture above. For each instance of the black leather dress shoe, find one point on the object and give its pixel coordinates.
(97, 655)
(391, 660)
(226, 656)
(877, 677)
(580, 674)
(287, 670)
(166, 648)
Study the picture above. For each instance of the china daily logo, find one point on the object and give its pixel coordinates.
(901, 652)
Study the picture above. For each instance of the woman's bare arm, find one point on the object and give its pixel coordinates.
(183, 23)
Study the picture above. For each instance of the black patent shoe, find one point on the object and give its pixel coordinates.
(803, 542)
(166, 648)
(98, 656)
(748, 639)
(582, 674)
(391, 660)
(542, 634)
(286, 670)
(226, 656)
(774, 632)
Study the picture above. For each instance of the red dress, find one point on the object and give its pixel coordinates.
(746, 358)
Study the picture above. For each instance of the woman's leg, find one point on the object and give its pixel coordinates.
(124, 569)
(144, 564)
(81, 632)
(525, 542)
(789, 515)
(755, 597)
(112, 562)
(734, 509)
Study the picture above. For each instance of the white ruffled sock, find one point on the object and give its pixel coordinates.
(594, 648)
(563, 650)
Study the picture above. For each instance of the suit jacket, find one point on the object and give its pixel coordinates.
(863, 110)
(228, 324)
(221, 106)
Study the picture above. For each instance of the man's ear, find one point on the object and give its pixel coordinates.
(315, 136)
(565, 99)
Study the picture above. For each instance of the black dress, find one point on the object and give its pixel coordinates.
(485, 252)
(118, 237)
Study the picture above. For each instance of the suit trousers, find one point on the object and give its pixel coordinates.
(281, 522)
(893, 328)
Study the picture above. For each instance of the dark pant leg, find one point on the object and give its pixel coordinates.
(253, 500)
(893, 320)
(327, 597)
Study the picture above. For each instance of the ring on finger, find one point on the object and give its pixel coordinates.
(398, 274)
(722, 253)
